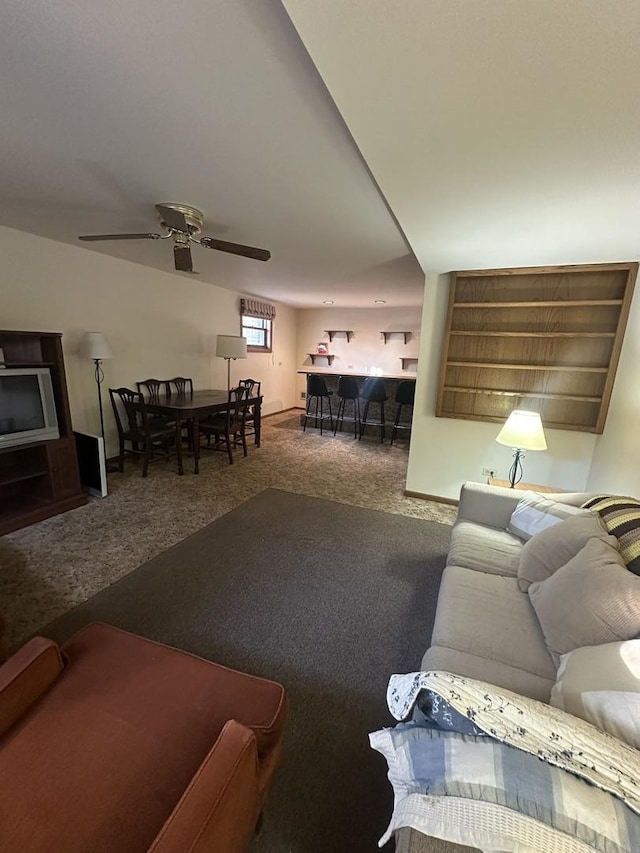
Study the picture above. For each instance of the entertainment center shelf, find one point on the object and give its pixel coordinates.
(543, 338)
(40, 478)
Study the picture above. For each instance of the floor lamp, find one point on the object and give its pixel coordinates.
(96, 347)
(522, 431)
(230, 347)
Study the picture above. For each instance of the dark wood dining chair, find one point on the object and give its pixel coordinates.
(180, 384)
(252, 387)
(147, 437)
(153, 388)
(228, 428)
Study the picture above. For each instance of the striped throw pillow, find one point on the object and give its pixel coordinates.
(622, 519)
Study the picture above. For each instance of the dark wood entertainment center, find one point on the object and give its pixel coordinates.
(39, 479)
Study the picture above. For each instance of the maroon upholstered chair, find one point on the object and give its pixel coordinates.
(117, 743)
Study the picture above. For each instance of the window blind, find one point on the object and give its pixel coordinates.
(253, 308)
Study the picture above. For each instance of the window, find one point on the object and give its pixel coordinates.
(256, 324)
(257, 331)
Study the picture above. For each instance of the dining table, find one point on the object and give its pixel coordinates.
(189, 408)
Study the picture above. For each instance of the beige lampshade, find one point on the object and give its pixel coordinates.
(95, 345)
(231, 346)
(523, 430)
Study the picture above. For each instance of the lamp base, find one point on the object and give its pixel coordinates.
(515, 472)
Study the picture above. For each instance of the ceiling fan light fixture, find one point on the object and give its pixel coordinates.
(183, 223)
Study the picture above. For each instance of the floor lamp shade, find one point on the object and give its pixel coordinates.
(95, 345)
(231, 346)
(228, 347)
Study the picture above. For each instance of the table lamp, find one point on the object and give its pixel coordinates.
(522, 431)
(230, 347)
(96, 347)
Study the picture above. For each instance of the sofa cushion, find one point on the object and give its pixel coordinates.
(622, 518)
(488, 616)
(592, 599)
(535, 513)
(483, 669)
(486, 549)
(601, 684)
(550, 549)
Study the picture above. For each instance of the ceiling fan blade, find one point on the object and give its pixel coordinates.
(182, 257)
(149, 236)
(173, 219)
(235, 249)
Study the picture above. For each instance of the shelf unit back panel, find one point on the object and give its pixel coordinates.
(578, 319)
(544, 285)
(583, 383)
(545, 339)
(569, 352)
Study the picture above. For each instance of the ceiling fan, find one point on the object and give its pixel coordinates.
(183, 225)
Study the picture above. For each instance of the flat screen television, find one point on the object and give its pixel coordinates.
(27, 406)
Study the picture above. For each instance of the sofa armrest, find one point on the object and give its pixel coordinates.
(490, 505)
(25, 677)
(219, 809)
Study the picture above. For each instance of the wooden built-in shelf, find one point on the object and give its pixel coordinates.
(314, 355)
(546, 339)
(556, 303)
(574, 368)
(333, 332)
(525, 395)
(536, 334)
(405, 335)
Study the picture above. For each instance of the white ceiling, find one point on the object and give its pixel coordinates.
(501, 132)
(108, 108)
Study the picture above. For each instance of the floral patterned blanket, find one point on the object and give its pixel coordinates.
(548, 733)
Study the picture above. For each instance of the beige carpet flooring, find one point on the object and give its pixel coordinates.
(50, 567)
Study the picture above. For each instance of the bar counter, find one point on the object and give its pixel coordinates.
(329, 371)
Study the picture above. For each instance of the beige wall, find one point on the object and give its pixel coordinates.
(367, 348)
(617, 453)
(158, 324)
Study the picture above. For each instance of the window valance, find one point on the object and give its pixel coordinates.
(253, 308)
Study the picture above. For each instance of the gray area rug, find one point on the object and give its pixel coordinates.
(326, 598)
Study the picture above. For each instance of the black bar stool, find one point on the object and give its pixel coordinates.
(317, 393)
(348, 390)
(373, 391)
(405, 396)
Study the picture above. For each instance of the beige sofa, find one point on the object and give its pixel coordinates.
(485, 626)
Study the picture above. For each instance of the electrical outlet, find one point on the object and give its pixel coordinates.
(489, 472)
(303, 395)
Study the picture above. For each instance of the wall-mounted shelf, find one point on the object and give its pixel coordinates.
(541, 338)
(405, 335)
(314, 355)
(407, 360)
(332, 332)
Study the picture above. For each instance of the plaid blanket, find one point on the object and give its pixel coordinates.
(425, 760)
(485, 744)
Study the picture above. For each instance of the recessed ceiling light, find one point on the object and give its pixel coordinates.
(380, 301)
(328, 302)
